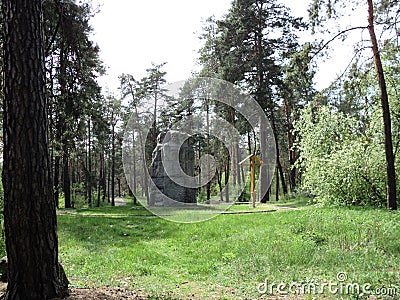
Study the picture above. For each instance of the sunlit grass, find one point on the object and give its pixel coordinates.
(229, 255)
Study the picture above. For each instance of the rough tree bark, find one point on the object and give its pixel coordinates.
(390, 168)
(29, 210)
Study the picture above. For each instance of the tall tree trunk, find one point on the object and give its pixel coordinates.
(113, 168)
(234, 164)
(101, 175)
(56, 180)
(234, 160)
(119, 187)
(261, 99)
(264, 176)
(30, 223)
(227, 199)
(249, 142)
(278, 161)
(104, 178)
(108, 180)
(66, 180)
(57, 161)
(282, 176)
(290, 142)
(390, 168)
(154, 124)
(74, 178)
(238, 167)
(208, 185)
(277, 184)
(89, 167)
(219, 181)
(145, 184)
(134, 183)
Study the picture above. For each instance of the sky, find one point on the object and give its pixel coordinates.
(133, 34)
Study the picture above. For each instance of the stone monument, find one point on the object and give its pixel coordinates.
(163, 190)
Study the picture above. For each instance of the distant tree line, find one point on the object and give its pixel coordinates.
(338, 145)
(256, 46)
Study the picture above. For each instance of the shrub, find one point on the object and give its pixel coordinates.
(339, 161)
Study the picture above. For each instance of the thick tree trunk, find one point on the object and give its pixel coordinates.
(390, 168)
(29, 211)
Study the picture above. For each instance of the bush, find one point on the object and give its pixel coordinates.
(339, 161)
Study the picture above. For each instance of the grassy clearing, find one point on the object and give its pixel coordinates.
(228, 256)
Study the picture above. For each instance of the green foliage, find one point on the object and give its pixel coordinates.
(340, 163)
(240, 48)
(341, 143)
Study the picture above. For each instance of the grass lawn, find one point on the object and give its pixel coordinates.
(229, 256)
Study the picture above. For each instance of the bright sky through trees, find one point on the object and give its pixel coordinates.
(133, 34)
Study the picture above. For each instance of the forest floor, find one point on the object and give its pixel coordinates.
(124, 294)
(125, 252)
(96, 294)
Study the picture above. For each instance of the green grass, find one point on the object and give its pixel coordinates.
(229, 255)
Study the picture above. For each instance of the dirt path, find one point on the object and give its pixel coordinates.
(108, 293)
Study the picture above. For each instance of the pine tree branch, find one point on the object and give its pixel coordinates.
(335, 37)
(339, 78)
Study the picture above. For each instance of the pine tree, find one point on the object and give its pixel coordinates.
(29, 210)
(250, 46)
